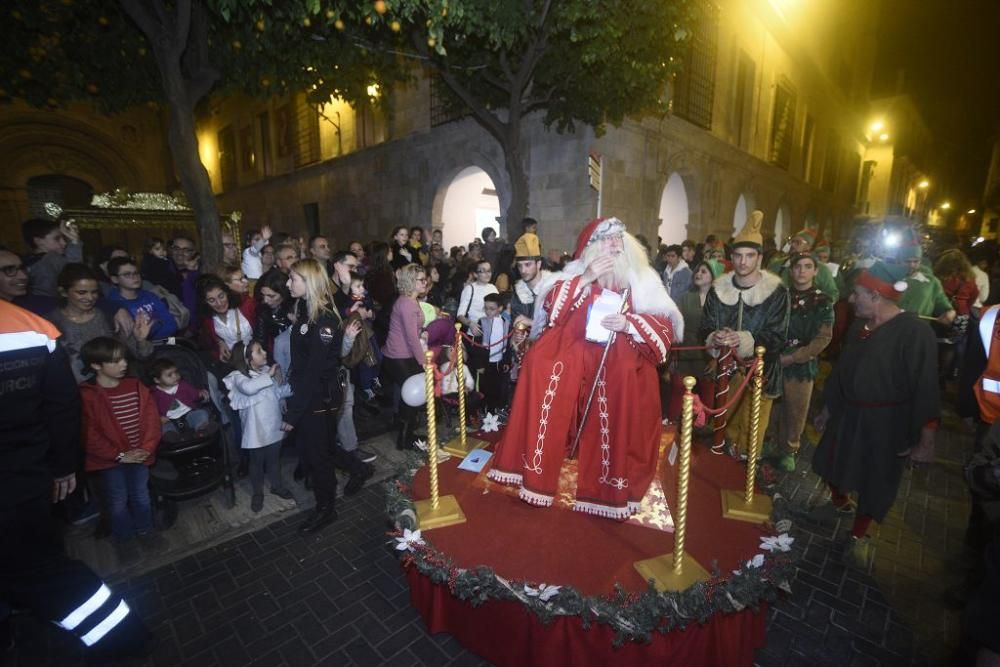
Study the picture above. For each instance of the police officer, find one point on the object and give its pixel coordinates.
(39, 452)
(318, 391)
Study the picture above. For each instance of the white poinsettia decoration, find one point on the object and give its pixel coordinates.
(755, 562)
(407, 541)
(543, 592)
(491, 423)
(420, 444)
(781, 542)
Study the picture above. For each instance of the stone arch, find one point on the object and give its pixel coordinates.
(674, 211)
(783, 224)
(690, 170)
(447, 175)
(62, 146)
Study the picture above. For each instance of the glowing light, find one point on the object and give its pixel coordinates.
(884, 136)
(891, 240)
(924, 184)
(971, 211)
(373, 90)
(877, 126)
(945, 206)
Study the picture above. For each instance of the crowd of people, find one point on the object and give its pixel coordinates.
(300, 339)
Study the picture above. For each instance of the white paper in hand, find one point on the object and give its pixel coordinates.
(672, 456)
(608, 303)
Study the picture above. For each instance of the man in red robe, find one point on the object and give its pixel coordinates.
(619, 445)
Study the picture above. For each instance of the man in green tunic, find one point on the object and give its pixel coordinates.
(924, 295)
(810, 327)
(803, 242)
(881, 400)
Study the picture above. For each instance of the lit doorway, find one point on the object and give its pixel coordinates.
(673, 211)
(470, 205)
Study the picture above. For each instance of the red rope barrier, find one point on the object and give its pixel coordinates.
(701, 408)
(472, 341)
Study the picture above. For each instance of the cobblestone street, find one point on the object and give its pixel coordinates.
(269, 597)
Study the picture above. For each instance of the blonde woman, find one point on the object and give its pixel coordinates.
(317, 345)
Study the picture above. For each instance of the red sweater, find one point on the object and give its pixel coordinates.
(102, 436)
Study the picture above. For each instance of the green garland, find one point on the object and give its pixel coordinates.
(634, 616)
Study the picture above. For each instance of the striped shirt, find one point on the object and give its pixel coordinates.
(125, 408)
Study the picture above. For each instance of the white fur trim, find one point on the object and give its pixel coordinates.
(752, 296)
(536, 499)
(524, 293)
(649, 296)
(606, 511)
(508, 478)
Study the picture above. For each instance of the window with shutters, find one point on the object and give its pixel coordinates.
(782, 126)
(694, 86)
(306, 132)
(227, 157)
(743, 100)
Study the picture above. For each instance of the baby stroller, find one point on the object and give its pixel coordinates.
(198, 462)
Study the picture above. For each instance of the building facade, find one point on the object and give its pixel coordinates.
(770, 112)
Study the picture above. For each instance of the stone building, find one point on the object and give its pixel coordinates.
(770, 112)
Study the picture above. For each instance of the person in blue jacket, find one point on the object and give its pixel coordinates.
(128, 293)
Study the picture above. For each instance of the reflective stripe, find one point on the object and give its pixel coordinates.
(992, 386)
(986, 328)
(105, 626)
(25, 340)
(80, 614)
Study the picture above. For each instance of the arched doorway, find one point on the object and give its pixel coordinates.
(743, 208)
(782, 225)
(673, 211)
(64, 191)
(470, 205)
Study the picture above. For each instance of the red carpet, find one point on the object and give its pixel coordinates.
(545, 545)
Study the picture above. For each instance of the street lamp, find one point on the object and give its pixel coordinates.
(924, 184)
(971, 211)
(945, 206)
(883, 137)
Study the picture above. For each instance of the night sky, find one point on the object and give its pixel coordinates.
(951, 53)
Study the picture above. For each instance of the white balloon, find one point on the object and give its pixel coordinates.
(414, 392)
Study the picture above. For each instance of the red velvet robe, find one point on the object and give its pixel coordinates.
(619, 446)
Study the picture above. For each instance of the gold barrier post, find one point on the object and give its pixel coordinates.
(461, 444)
(677, 571)
(437, 511)
(750, 506)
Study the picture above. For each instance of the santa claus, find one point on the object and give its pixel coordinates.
(619, 436)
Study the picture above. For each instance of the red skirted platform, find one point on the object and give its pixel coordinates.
(563, 548)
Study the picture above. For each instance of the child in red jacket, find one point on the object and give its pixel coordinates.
(120, 431)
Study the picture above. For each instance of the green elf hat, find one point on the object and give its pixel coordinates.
(822, 245)
(808, 235)
(887, 280)
(714, 267)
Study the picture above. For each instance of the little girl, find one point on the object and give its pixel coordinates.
(257, 390)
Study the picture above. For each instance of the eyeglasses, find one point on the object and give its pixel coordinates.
(13, 269)
(484, 270)
(128, 274)
(182, 249)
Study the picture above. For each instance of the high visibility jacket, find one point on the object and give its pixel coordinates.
(987, 387)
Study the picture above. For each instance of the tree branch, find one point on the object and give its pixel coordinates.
(182, 25)
(140, 14)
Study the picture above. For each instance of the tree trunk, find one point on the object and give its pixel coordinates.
(195, 181)
(172, 32)
(517, 209)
